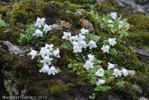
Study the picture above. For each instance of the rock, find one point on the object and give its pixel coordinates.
(131, 72)
(21, 52)
(99, 1)
(86, 24)
(126, 93)
(79, 97)
(137, 88)
(56, 26)
(65, 24)
(138, 5)
(143, 52)
(142, 98)
(11, 47)
(79, 11)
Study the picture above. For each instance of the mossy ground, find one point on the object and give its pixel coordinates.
(25, 71)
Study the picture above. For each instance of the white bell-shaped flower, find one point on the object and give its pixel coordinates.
(44, 69)
(117, 72)
(40, 22)
(76, 48)
(33, 53)
(66, 35)
(99, 82)
(100, 72)
(44, 52)
(74, 43)
(47, 28)
(110, 66)
(82, 44)
(91, 57)
(38, 33)
(88, 65)
(110, 25)
(110, 21)
(80, 37)
(114, 15)
(49, 47)
(105, 48)
(52, 71)
(46, 60)
(72, 39)
(125, 72)
(84, 31)
(112, 41)
(92, 44)
(56, 53)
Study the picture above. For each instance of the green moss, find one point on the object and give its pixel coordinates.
(59, 89)
(139, 33)
(8, 88)
(25, 12)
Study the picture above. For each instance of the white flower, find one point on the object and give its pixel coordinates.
(33, 53)
(88, 65)
(49, 47)
(44, 69)
(40, 22)
(92, 44)
(56, 53)
(74, 43)
(125, 72)
(120, 25)
(114, 15)
(100, 81)
(52, 71)
(84, 31)
(47, 28)
(76, 48)
(91, 57)
(66, 35)
(121, 22)
(110, 65)
(72, 39)
(82, 44)
(105, 48)
(117, 72)
(80, 37)
(110, 21)
(100, 72)
(112, 41)
(38, 33)
(46, 60)
(110, 25)
(44, 52)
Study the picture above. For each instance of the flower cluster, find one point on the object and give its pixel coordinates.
(112, 42)
(78, 41)
(111, 23)
(39, 23)
(46, 53)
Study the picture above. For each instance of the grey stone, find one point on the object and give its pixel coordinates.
(143, 98)
(23, 52)
(137, 88)
(131, 72)
(11, 47)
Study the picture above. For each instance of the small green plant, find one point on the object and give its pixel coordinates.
(92, 96)
(120, 84)
(66, 44)
(2, 23)
(29, 38)
(111, 23)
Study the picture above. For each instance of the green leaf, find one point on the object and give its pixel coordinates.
(67, 45)
(92, 37)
